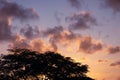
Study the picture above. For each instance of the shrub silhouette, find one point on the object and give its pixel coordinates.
(24, 64)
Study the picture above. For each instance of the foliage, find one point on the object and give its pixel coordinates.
(24, 64)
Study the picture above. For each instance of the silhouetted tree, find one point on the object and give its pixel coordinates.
(24, 64)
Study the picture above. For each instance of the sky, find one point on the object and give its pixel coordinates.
(86, 30)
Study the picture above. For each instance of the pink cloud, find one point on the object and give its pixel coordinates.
(102, 60)
(115, 63)
(88, 45)
(113, 50)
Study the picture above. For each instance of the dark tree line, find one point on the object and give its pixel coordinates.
(24, 64)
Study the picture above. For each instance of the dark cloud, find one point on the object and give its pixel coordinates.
(81, 21)
(8, 12)
(6, 32)
(30, 32)
(53, 43)
(75, 3)
(58, 35)
(113, 50)
(54, 34)
(87, 45)
(113, 4)
(9, 9)
(115, 63)
(51, 31)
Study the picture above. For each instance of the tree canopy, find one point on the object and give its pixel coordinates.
(24, 64)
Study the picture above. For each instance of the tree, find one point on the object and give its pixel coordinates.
(24, 64)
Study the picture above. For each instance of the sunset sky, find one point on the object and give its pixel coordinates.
(86, 30)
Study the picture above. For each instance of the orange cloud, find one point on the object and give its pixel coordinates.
(19, 42)
(38, 45)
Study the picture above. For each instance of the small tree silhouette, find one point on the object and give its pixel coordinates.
(25, 64)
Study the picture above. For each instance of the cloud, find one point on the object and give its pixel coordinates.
(113, 50)
(55, 36)
(89, 45)
(6, 31)
(58, 16)
(81, 21)
(59, 35)
(104, 79)
(102, 60)
(35, 44)
(118, 78)
(38, 45)
(115, 63)
(113, 4)
(30, 32)
(75, 3)
(10, 9)
(51, 31)
(19, 42)
(8, 12)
